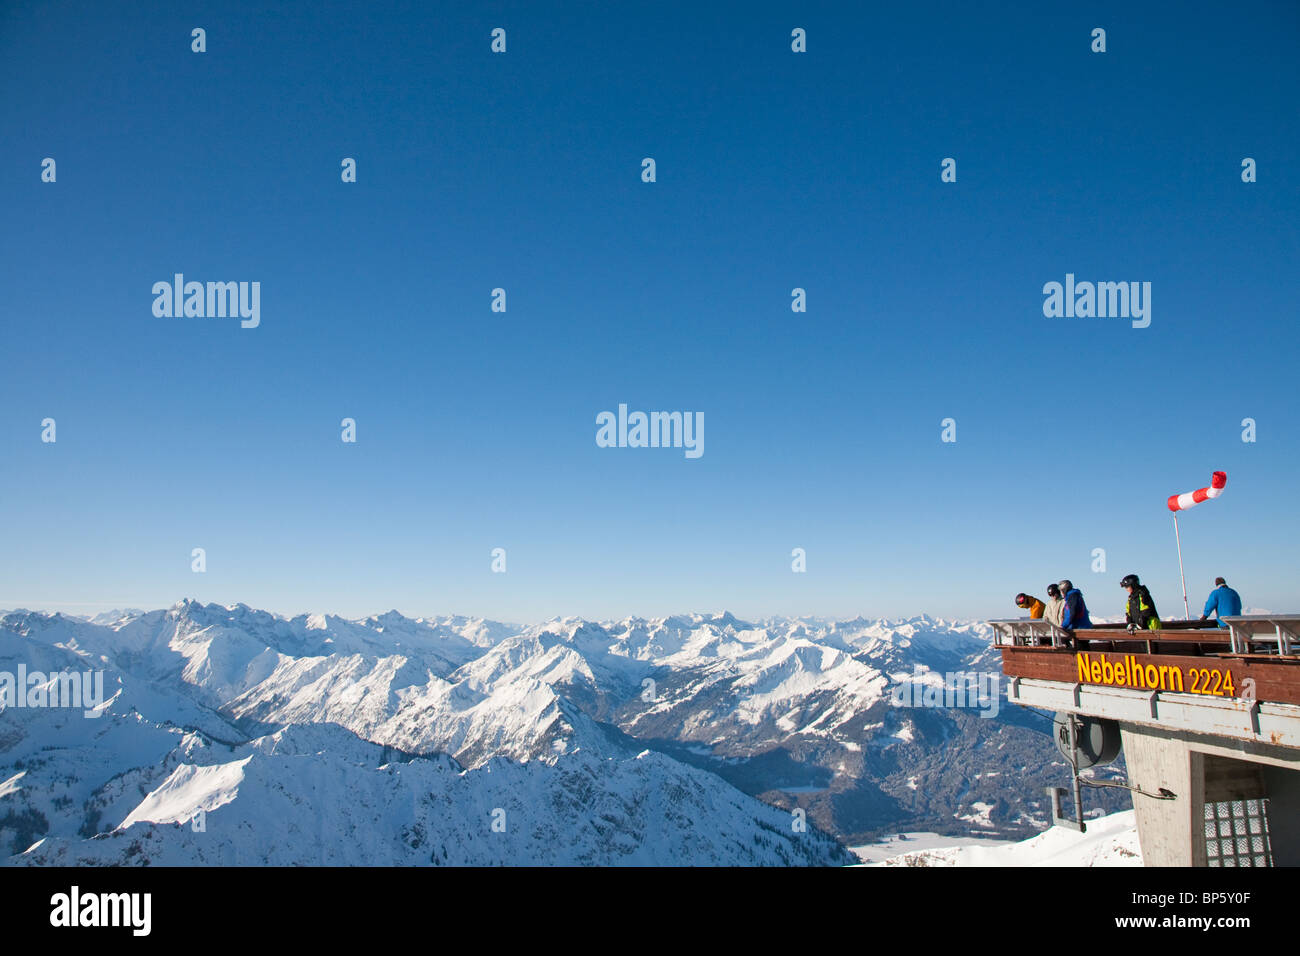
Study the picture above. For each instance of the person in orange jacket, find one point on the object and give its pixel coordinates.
(1034, 606)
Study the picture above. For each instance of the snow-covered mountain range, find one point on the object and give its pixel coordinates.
(688, 739)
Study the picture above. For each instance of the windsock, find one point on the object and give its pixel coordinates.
(1185, 501)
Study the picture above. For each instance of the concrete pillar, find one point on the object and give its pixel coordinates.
(1170, 832)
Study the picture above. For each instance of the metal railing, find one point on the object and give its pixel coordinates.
(1276, 635)
(1265, 634)
(1028, 632)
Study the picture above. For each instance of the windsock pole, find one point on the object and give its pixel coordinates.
(1186, 607)
(1191, 499)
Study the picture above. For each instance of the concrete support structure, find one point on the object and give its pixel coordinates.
(1210, 725)
(1200, 769)
(1210, 753)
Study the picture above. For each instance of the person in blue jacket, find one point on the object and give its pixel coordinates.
(1076, 612)
(1223, 601)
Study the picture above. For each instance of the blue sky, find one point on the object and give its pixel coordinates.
(775, 170)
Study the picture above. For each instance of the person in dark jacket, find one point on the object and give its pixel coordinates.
(1223, 602)
(1140, 612)
(1076, 611)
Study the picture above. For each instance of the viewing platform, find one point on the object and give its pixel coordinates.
(1208, 715)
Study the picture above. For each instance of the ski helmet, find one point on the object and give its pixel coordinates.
(1130, 581)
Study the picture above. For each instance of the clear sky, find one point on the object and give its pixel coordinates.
(522, 170)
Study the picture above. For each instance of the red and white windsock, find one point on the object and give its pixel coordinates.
(1191, 498)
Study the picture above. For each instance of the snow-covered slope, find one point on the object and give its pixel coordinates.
(319, 795)
(1110, 841)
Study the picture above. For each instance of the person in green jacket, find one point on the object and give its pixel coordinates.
(1141, 609)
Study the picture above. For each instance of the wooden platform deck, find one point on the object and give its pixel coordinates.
(1257, 658)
